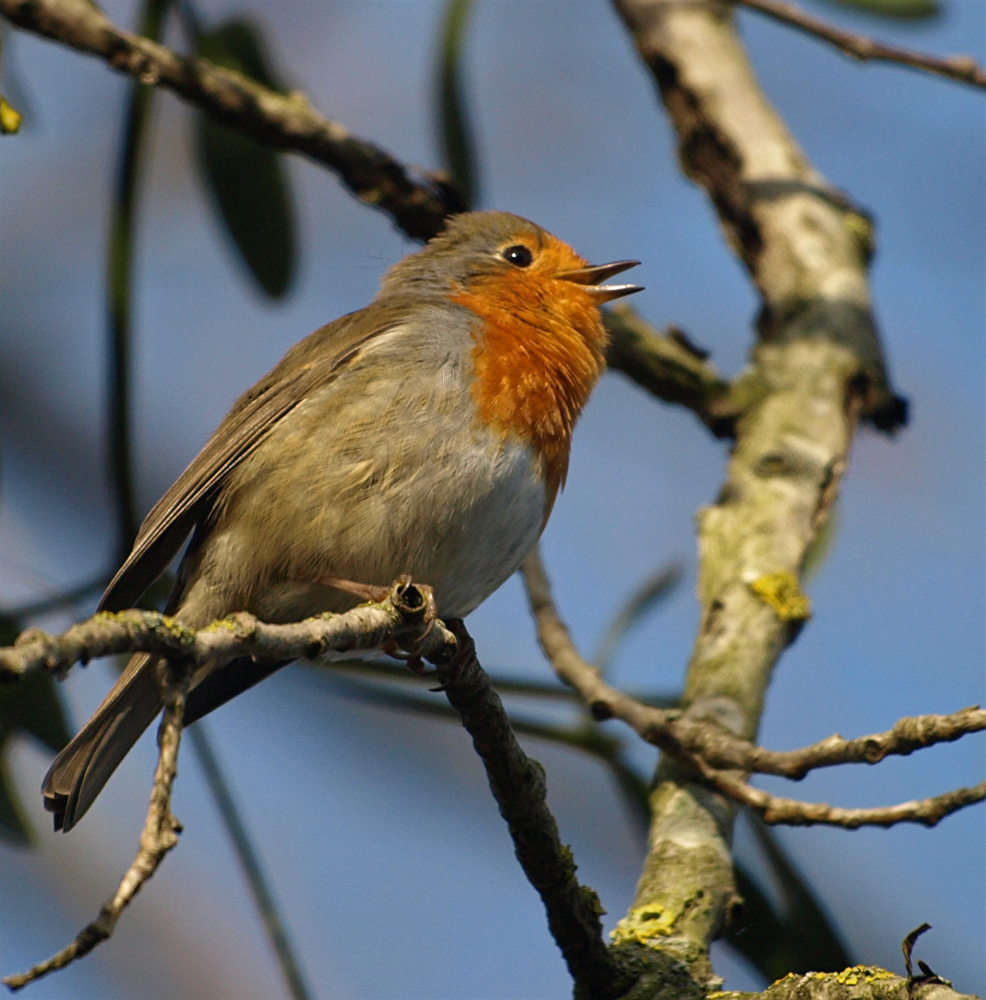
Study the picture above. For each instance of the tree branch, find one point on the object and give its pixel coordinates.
(817, 366)
(716, 755)
(775, 809)
(964, 69)
(518, 785)
(402, 618)
(418, 204)
(669, 367)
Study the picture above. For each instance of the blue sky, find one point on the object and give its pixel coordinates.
(379, 835)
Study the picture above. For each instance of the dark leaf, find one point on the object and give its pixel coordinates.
(245, 180)
(30, 705)
(812, 941)
(757, 931)
(33, 705)
(454, 127)
(13, 825)
(908, 946)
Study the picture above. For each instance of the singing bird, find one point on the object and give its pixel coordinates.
(427, 434)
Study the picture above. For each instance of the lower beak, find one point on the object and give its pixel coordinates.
(592, 275)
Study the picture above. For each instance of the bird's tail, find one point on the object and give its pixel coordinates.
(79, 772)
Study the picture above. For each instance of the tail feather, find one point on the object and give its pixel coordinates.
(80, 771)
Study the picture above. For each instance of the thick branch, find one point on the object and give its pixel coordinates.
(859, 982)
(418, 205)
(817, 365)
(964, 69)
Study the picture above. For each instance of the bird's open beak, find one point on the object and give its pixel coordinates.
(595, 273)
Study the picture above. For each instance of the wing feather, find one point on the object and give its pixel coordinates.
(310, 364)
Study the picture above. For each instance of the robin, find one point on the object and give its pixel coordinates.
(427, 434)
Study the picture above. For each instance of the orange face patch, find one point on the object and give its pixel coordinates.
(538, 354)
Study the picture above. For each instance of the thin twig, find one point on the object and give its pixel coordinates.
(964, 69)
(417, 201)
(402, 618)
(518, 784)
(250, 863)
(159, 836)
(672, 731)
(717, 755)
(776, 809)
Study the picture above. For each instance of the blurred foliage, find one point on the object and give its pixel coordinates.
(804, 940)
(246, 181)
(455, 129)
(10, 118)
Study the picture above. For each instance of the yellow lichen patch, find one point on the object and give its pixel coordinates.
(856, 974)
(789, 975)
(108, 616)
(783, 593)
(224, 624)
(642, 925)
(173, 627)
(10, 118)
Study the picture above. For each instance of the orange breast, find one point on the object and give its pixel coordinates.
(539, 352)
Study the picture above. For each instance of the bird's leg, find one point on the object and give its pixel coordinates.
(368, 591)
(374, 592)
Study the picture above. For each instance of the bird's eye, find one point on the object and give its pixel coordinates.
(518, 255)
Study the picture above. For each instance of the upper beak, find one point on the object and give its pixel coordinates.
(593, 274)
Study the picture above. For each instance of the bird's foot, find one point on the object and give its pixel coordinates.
(402, 592)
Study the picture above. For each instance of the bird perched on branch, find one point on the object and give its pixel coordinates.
(427, 434)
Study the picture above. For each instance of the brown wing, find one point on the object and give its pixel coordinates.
(307, 366)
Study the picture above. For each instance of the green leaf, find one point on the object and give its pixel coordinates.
(454, 127)
(909, 9)
(245, 180)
